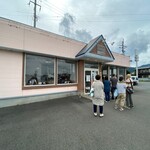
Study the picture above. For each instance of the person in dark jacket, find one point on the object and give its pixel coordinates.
(107, 87)
(114, 81)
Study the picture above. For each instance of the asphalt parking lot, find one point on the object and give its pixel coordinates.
(69, 124)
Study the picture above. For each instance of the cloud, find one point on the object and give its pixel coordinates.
(66, 26)
(139, 40)
(139, 43)
(144, 58)
(83, 35)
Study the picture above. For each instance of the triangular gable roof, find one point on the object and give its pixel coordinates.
(95, 50)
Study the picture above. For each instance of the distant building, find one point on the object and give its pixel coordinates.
(144, 71)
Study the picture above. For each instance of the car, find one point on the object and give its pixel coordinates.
(135, 80)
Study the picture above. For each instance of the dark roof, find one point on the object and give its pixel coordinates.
(89, 46)
(144, 66)
(85, 51)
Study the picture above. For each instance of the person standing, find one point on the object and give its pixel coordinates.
(121, 87)
(129, 83)
(114, 81)
(98, 98)
(107, 89)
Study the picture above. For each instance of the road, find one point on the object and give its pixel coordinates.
(69, 124)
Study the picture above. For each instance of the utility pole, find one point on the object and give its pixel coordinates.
(35, 16)
(136, 60)
(122, 46)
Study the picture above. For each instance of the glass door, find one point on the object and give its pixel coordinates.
(89, 78)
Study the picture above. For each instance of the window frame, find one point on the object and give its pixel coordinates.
(76, 73)
(24, 72)
(55, 85)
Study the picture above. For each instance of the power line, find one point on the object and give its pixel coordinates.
(123, 47)
(35, 16)
(131, 20)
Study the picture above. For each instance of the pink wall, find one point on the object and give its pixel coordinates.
(11, 77)
(120, 60)
(10, 74)
(26, 38)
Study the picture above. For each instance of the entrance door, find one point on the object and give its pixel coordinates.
(89, 78)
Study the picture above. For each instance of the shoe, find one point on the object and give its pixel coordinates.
(95, 114)
(126, 107)
(121, 109)
(116, 107)
(101, 115)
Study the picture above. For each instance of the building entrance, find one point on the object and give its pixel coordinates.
(89, 78)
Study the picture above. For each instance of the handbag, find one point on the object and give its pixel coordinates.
(129, 90)
(92, 92)
(115, 93)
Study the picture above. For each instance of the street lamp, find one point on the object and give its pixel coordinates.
(136, 60)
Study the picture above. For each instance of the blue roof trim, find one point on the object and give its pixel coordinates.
(98, 57)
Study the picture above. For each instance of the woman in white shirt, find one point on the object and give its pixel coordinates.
(98, 98)
(121, 87)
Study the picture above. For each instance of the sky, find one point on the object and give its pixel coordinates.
(117, 20)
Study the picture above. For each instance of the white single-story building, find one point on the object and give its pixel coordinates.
(37, 65)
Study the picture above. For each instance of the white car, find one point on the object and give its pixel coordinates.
(135, 80)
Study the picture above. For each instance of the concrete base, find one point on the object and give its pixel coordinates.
(7, 102)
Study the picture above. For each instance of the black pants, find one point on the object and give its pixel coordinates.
(95, 109)
(112, 92)
(129, 102)
(107, 96)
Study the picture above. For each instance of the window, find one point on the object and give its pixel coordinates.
(66, 71)
(104, 71)
(113, 70)
(91, 65)
(121, 72)
(39, 70)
